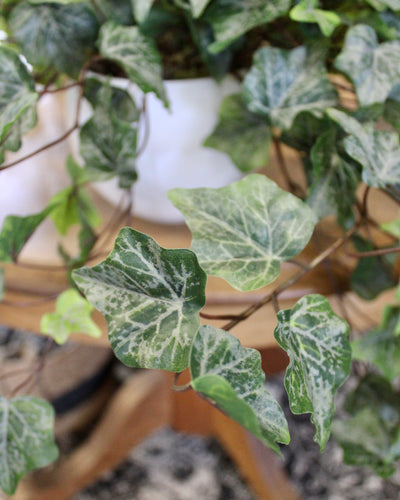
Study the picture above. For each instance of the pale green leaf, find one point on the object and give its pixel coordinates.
(198, 6)
(136, 53)
(17, 93)
(232, 377)
(75, 171)
(378, 151)
(72, 315)
(55, 35)
(385, 4)
(141, 9)
(244, 231)
(26, 438)
(317, 342)
(150, 297)
(282, 83)
(392, 227)
(374, 68)
(232, 18)
(244, 136)
(307, 11)
(381, 346)
(65, 211)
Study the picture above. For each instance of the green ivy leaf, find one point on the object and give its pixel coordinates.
(198, 7)
(26, 438)
(150, 298)
(231, 376)
(141, 9)
(381, 346)
(317, 342)
(374, 68)
(17, 93)
(65, 212)
(242, 135)
(72, 315)
(244, 231)
(232, 18)
(306, 11)
(282, 83)
(305, 130)
(55, 35)
(371, 436)
(385, 4)
(378, 151)
(136, 53)
(334, 180)
(13, 139)
(391, 111)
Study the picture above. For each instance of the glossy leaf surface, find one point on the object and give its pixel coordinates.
(244, 231)
(317, 342)
(232, 377)
(150, 297)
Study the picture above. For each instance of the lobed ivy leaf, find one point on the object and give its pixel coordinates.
(244, 231)
(317, 342)
(307, 11)
(378, 151)
(374, 68)
(381, 346)
(371, 436)
(232, 18)
(150, 298)
(232, 377)
(53, 35)
(17, 96)
(282, 83)
(26, 438)
(72, 315)
(136, 53)
(244, 136)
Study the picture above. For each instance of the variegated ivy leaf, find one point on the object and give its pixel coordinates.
(374, 68)
(244, 231)
(371, 436)
(317, 342)
(17, 93)
(307, 11)
(232, 18)
(13, 139)
(385, 4)
(244, 136)
(26, 438)
(150, 297)
(136, 53)
(282, 83)
(55, 35)
(381, 346)
(72, 315)
(232, 377)
(141, 9)
(377, 151)
(198, 6)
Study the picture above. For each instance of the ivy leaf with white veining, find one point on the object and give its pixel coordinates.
(232, 18)
(72, 315)
(136, 53)
(55, 36)
(374, 68)
(307, 11)
(317, 342)
(244, 231)
(231, 376)
(244, 136)
(17, 92)
(282, 83)
(26, 438)
(150, 297)
(377, 151)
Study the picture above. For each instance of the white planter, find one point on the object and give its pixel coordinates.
(174, 155)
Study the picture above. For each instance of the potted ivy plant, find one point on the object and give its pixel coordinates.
(297, 62)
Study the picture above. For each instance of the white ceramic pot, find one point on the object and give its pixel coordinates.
(174, 155)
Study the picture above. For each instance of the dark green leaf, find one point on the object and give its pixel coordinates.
(317, 342)
(282, 83)
(305, 130)
(231, 376)
(136, 53)
(392, 108)
(55, 35)
(26, 438)
(150, 297)
(245, 137)
(117, 10)
(374, 68)
(306, 11)
(244, 231)
(198, 6)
